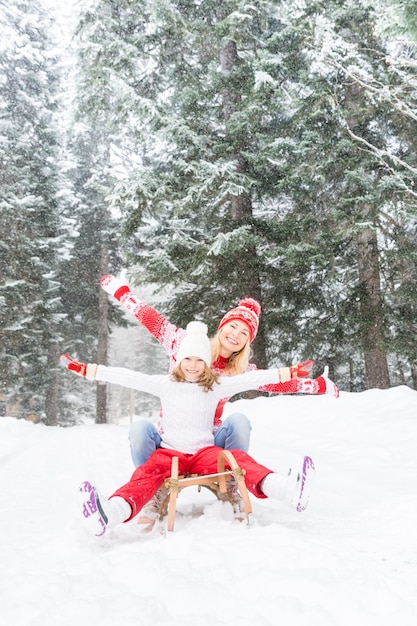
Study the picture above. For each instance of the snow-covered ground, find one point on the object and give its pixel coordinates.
(350, 558)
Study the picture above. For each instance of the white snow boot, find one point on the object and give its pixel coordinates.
(294, 488)
(101, 515)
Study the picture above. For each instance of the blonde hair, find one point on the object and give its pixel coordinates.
(238, 361)
(206, 380)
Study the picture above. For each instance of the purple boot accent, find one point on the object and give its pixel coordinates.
(305, 484)
(95, 518)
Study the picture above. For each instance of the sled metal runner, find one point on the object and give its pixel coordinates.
(217, 483)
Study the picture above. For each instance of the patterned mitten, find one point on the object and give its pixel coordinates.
(114, 286)
(318, 386)
(86, 370)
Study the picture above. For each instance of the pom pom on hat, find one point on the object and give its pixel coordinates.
(195, 343)
(248, 311)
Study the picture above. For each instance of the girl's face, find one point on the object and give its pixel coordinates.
(192, 367)
(233, 337)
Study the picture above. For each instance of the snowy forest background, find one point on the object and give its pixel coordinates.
(210, 150)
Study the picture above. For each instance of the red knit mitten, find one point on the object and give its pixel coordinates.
(114, 286)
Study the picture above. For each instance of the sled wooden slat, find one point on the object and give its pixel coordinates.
(217, 483)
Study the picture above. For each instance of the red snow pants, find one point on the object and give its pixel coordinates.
(147, 478)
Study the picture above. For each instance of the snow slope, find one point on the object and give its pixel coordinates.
(350, 558)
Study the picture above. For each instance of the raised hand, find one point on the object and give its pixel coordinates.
(86, 370)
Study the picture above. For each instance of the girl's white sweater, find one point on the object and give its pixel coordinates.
(188, 410)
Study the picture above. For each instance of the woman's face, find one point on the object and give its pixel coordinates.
(233, 337)
(192, 367)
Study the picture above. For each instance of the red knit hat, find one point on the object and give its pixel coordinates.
(248, 311)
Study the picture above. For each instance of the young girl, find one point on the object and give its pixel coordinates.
(189, 396)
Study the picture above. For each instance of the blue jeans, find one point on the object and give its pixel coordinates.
(144, 437)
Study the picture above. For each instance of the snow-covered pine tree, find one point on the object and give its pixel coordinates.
(31, 227)
(94, 252)
(352, 167)
(95, 245)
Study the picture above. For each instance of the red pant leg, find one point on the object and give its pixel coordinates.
(205, 462)
(146, 479)
(255, 472)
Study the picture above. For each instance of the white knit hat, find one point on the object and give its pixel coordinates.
(195, 343)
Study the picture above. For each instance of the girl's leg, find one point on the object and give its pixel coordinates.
(234, 433)
(294, 488)
(202, 462)
(100, 514)
(127, 501)
(146, 479)
(144, 439)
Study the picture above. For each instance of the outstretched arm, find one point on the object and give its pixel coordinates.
(298, 381)
(117, 375)
(312, 386)
(290, 384)
(169, 335)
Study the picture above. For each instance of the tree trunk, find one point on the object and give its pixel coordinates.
(351, 376)
(52, 391)
(414, 377)
(372, 326)
(376, 365)
(102, 346)
(241, 205)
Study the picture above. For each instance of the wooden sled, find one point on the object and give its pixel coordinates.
(215, 482)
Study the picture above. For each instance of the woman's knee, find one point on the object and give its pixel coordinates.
(239, 420)
(234, 433)
(142, 429)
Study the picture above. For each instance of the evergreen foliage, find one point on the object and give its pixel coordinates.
(93, 252)
(275, 155)
(30, 314)
(224, 149)
(93, 243)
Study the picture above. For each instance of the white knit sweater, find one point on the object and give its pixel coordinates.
(188, 410)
